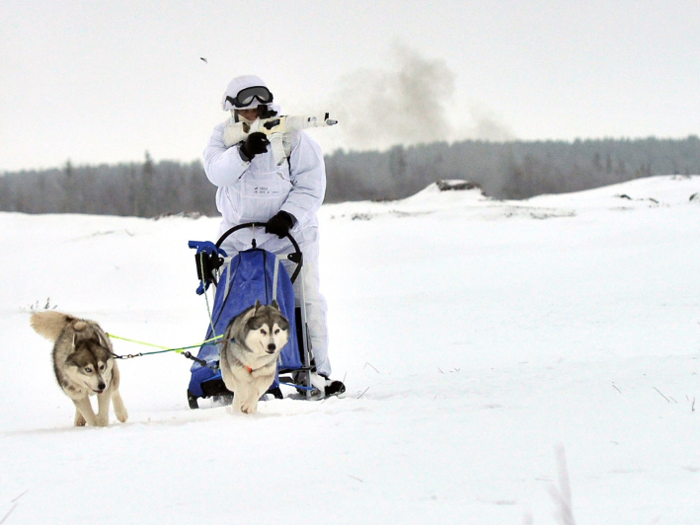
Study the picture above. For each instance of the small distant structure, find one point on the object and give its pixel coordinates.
(456, 185)
(203, 59)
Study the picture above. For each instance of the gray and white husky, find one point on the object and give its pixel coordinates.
(84, 365)
(251, 346)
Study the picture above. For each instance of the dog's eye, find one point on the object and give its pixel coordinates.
(88, 370)
(263, 332)
(102, 367)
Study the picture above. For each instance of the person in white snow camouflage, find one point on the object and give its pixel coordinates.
(253, 187)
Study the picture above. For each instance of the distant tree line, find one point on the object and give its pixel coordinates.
(145, 189)
(506, 170)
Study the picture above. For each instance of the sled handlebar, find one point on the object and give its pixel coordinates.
(296, 257)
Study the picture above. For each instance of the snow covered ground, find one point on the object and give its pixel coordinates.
(476, 337)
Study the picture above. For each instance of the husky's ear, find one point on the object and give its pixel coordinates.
(104, 339)
(257, 306)
(275, 305)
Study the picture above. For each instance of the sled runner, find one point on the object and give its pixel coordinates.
(252, 275)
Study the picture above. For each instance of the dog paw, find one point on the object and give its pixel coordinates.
(102, 422)
(122, 416)
(250, 408)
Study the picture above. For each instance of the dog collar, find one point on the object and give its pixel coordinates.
(250, 370)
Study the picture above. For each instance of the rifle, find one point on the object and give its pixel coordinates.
(277, 130)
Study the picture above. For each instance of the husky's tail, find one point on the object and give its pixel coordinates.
(50, 324)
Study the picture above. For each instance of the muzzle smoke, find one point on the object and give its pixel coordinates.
(410, 102)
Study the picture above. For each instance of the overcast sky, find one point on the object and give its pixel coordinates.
(104, 81)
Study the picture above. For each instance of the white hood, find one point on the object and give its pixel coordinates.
(236, 85)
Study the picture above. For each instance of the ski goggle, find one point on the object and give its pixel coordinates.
(245, 96)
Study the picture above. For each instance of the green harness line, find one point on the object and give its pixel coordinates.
(164, 349)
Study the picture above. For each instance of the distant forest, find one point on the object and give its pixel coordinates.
(505, 170)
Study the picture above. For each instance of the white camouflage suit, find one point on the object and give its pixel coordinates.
(255, 191)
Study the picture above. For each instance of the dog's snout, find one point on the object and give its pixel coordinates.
(271, 348)
(101, 386)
